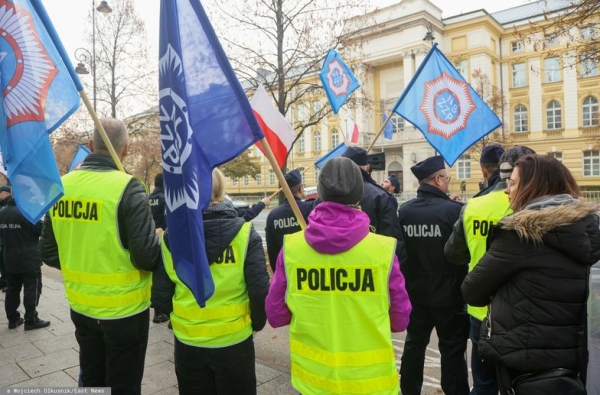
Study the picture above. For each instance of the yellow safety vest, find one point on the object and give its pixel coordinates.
(480, 215)
(225, 320)
(340, 340)
(100, 280)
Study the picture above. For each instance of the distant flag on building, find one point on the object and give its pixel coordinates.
(38, 93)
(353, 131)
(388, 132)
(338, 80)
(79, 156)
(279, 133)
(337, 151)
(205, 120)
(445, 108)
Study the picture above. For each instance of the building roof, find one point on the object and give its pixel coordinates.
(529, 10)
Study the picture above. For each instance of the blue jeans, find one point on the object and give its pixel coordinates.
(483, 370)
(210, 371)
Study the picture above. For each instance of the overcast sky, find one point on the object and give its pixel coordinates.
(70, 16)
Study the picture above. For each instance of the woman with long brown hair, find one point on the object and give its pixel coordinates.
(534, 276)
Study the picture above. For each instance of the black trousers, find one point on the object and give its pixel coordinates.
(31, 282)
(452, 327)
(112, 352)
(216, 371)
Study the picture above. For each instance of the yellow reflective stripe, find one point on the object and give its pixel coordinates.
(211, 313)
(324, 357)
(364, 386)
(205, 330)
(128, 299)
(134, 276)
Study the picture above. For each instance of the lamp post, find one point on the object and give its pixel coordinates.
(83, 55)
(429, 35)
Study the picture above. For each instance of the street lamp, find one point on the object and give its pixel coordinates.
(429, 35)
(83, 55)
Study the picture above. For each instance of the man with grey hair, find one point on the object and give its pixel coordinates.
(102, 237)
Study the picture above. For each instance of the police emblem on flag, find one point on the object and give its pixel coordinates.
(30, 67)
(176, 137)
(337, 79)
(447, 105)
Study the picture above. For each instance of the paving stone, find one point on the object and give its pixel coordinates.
(57, 343)
(55, 379)
(14, 337)
(265, 373)
(159, 333)
(12, 373)
(50, 363)
(18, 353)
(158, 378)
(158, 353)
(278, 386)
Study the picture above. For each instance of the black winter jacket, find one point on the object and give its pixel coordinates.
(380, 206)
(219, 230)
(136, 227)
(534, 273)
(20, 240)
(157, 206)
(431, 281)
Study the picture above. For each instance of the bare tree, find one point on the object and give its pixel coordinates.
(281, 44)
(494, 98)
(126, 78)
(575, 23)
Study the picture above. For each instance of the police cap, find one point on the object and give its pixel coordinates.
(425, 168)
(394, 181)
(293, 178)
(357, 155)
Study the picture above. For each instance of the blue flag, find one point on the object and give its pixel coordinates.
(388, 132)
(445, 108)
(338, 80)
(80, 155)
(337, 151)
(38, 95)
(205, 120)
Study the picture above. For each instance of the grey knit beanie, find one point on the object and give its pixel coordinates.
(340, 181)
(509, 157)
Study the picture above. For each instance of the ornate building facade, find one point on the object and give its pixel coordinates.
(550, 92)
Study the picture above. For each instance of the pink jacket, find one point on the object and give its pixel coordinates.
(335, 228)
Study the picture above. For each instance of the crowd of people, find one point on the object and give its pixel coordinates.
(509, 270)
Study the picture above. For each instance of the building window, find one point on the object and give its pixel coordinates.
(591, 163)
(588, 32)
(463, 68)
(271, 177)
(553, 115)
(519, 76)
(551, 69)
(520, 119)
(317, 141)
(246, 180)
(335, 138)
(556, 155)
(590, 111)
(234, 181)
(258, 179)
(300, 143)
(550, 40)
(589, 64)
(517, 46)
(464, 167)
(302, 112)
(397, 123)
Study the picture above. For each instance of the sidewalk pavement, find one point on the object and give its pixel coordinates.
(49, 357)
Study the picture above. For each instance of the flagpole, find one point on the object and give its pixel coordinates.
(284, 186)
(101, 130)
(389, 118)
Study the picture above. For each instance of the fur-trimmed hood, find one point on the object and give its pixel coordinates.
(571, 228)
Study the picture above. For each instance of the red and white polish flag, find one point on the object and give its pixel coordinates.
(352, 129)
(279, 133)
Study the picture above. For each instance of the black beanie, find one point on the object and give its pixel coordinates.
(340, 181)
